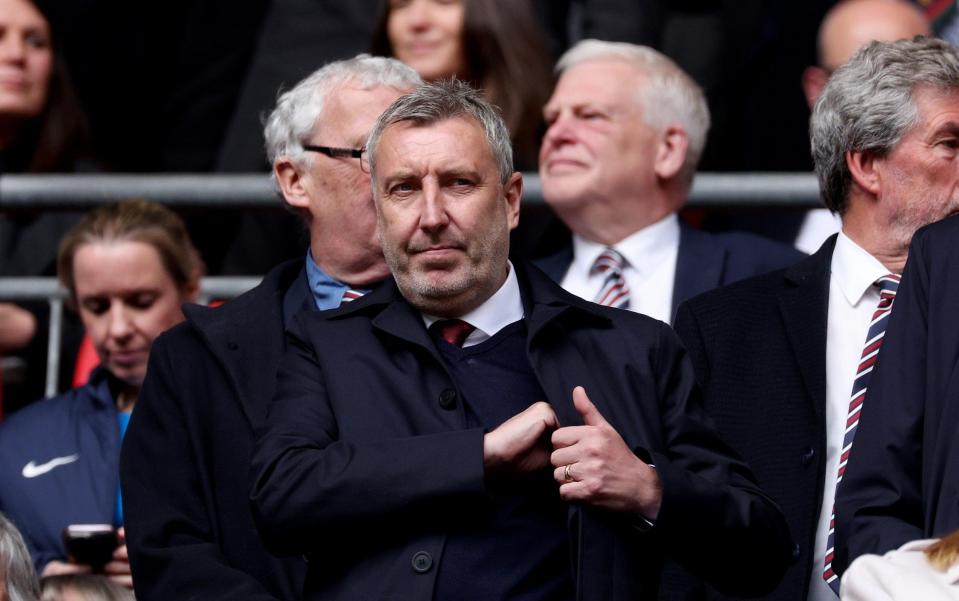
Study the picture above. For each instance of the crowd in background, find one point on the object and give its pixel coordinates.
(186, 86)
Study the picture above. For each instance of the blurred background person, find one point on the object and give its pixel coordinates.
(921, 569)
(18, 581)
(82, 587)
(128, 268)
(42, 130)
(16, 327)
(496, 45)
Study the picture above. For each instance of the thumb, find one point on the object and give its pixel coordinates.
(586, 408)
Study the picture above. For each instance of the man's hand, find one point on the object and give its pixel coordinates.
(118, 569)
(594, 465)
(520, 444)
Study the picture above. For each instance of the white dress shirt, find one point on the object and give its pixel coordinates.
(500, 310)
(650, 269)
(852, 301)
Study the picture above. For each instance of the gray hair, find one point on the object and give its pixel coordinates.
(297, 110)
(442, 100)
(89, 587)
(16, 567)
(668, 96)
(868, 105)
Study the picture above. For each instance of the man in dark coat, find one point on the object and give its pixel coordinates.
(486, 435)
(626, 129)
(902, 480)
(185, 460)
(780, 356)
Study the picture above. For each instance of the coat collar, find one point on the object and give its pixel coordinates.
(544, 302)
(804, 305)
(247, 334)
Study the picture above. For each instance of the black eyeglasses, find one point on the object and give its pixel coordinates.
(336, 153)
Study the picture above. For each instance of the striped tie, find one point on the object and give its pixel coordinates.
(888, 285)
(614, 292)
(351, 295)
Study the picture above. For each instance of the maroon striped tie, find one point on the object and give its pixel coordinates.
(887, 284)
(351, 295)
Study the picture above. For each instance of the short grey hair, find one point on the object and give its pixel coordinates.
(16, 567)
(298, 110)
(668, 96)
(868, 105)
(442, 100)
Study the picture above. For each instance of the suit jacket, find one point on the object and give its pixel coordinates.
(902, 480)
(705, 261)
(759, 348)
(186, 454)
(364, 463)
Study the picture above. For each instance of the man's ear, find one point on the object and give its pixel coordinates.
(813, 81)
(290, 180)
(864, 168)
(514, 193)
(671, 152)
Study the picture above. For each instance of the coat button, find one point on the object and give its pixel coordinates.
(796, 551)
(807, 457)
(448, 399)
(422, 562)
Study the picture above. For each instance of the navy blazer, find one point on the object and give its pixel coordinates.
(186, 454)
(704, 261)
(364, 462)
(759, 351)
(902, 479)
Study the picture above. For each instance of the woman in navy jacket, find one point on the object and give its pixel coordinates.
(128, 268)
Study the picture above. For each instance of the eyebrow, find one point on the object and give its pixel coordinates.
(949, 127)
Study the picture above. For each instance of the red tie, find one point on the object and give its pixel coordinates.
(454, 331)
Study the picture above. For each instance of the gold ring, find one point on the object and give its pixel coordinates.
(567, 474)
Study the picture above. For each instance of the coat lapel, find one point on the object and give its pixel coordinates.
(699, 265)
(247, 336)
(804, 304)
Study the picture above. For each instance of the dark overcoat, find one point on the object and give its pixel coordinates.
(366, 460)
(186, 455)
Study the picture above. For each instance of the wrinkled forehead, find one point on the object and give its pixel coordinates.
(419, 148)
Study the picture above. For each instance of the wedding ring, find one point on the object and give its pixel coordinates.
(567, 474)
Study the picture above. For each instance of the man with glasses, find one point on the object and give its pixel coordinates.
(626, 129)
(186, 456)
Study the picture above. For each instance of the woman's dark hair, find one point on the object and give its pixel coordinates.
(507, 59)
(58, 137)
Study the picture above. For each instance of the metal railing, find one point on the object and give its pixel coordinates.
(33, 192)
(48, 289)
(80, 191)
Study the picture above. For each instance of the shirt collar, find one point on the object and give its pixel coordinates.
(855, 269)
(499, 310)
(643, 250)
(327, 292)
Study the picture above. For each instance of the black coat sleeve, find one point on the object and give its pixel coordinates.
(714, 516)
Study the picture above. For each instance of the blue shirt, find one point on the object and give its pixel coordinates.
(327, 292)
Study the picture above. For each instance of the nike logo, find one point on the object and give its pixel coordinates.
(32, 470)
